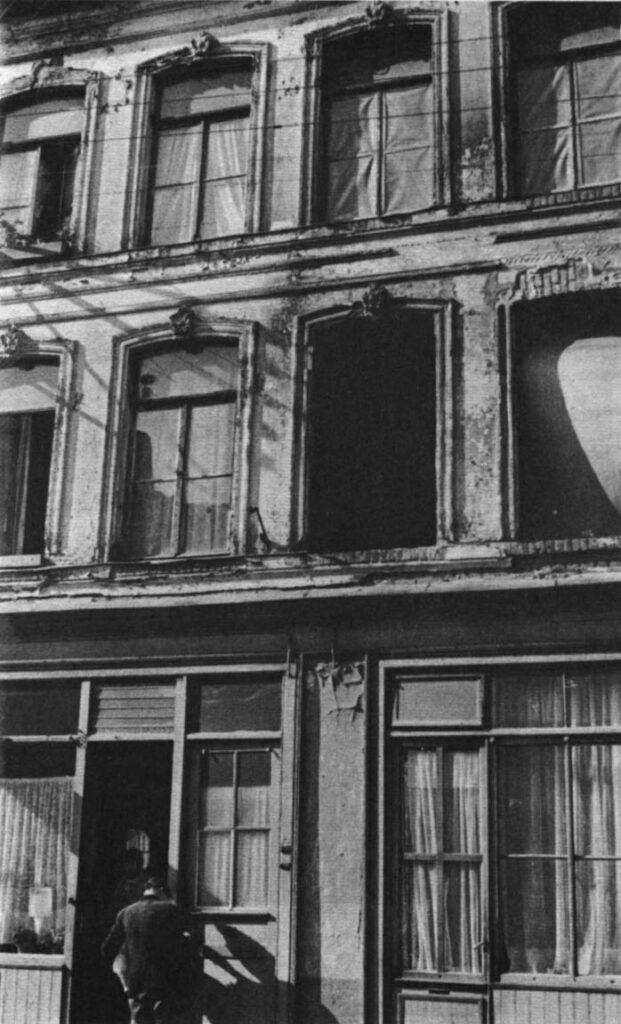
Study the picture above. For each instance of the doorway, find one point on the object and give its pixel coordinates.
(126, 805)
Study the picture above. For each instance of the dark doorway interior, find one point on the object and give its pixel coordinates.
(126, 803)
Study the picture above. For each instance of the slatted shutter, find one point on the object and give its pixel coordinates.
(133, 707)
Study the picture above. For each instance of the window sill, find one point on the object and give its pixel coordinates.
(601, 983)
(20, 561)
(45, 961)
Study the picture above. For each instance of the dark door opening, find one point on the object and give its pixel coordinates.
(126, 804)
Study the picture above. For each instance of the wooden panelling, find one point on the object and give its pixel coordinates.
(123, 708)
(30, 995)
(524, 1006)
(425, 1009)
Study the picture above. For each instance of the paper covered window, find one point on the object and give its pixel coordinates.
(38, 157)
(181, 479)
(28, 396)
(566, 79)
(567, 388)
(201, 157)
(378, 124)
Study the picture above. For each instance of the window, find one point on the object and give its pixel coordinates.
(512, 848)
(28, 397)
(185, 434)
(378, 124)
(38, 159)
(371, 448)
(566, 80)
(567, 382)
(201, 153)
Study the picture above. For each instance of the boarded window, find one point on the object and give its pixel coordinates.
(185, 412)
(201, 157)
(371, 479)
(566, 67)
(378, 124)
(568, 416)
(27, 416)
(40, 147)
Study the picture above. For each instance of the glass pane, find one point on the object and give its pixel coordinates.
(28, 390)
(598, 86)
(211, 438)
(39, 709)
(181, 374)
(208, 508)
(217, 806)
(598, 917)
(251, 876)
(532, 800)
(208, 93)
(18, 175)
(420, 920)
(241, 705)
(45, 120)
(12, 440)
(420, 802)
(438, 701)
(152, 511)
(178, 155)
(597, 800)
(532, 698)
(224, 208)
(352, 154)
(595, 695)
(462, 802)
(535, 916)
(463, 931)
(227, 148)
(157, 444)
(544, 111)
(408, 157)
(214, 869)
(174, 214)
(253, 787)
(600, 151)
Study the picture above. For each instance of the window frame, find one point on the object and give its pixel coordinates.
(442, 314)
(49, 83)
(393, 738)
(64, 354)
(117, 484)
(311, 173)
(506, 124)
(148, 76)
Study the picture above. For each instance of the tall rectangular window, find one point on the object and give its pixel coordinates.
(28, 397)
(184, 438)
(201, 152)
(38, 158)
(378, 144)
(566, 80)
(371, 451)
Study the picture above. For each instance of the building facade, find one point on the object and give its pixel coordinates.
(310, 503)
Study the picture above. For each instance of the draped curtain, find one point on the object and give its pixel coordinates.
(35, 829)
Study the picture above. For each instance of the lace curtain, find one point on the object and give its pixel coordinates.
(35, 829)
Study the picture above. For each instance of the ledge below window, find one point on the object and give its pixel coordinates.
(20, 561)
(45, 961)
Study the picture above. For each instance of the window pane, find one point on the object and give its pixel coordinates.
(544, 112)
(532, 800)
(57, 165)
(42, 709)
(224, 208)
(209, 93)
(535, 916)
(463, 930)
(25, 458)
(28, 389)
(214, 869)
(595, 695)
(45, 120)
(251, 875)
(462, 802)
(234, 706)
(11, 472)
(157, 444)
(217, 807)
(211, 437)
(253, 787)
(176, 184)
(409, 156)
(597, 799)
(598, 917)
(532, 698)
(438, 701)
(353, 140)
(420, 917)
(598, 86)
(18, 176)
(600, 151)
(420, 802)
(184, 374)
(208, 510)
(152, 513)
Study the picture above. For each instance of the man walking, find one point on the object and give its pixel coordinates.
(158, 951)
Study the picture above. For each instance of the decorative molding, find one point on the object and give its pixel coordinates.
(204, 45)
(201, 47)
(379, 14)
(574, 275)
(347, 680)
(183, 322)
(376, 303)
(14, 344)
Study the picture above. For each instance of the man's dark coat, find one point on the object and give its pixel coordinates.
(156, 946)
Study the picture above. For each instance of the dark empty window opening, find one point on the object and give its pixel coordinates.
(566, 90)
(378, 124)
(568, 416)
(371, 478)
(25, 455)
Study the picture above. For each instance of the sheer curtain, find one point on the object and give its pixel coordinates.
(35, 829)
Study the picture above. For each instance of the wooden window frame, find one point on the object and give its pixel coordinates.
(312, 144)
(136, 220)
(118, 455)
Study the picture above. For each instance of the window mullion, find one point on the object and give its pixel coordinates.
(381, 156)
(233, 851)
(202, 171)
(571, 858)
(178, 516)
(573, 113)
(23, 464)
(440, 861)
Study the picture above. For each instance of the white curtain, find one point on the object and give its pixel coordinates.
(175, 194)
(224, 204)
(35, 830)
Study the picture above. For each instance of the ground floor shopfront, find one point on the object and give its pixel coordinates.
(396, 810)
